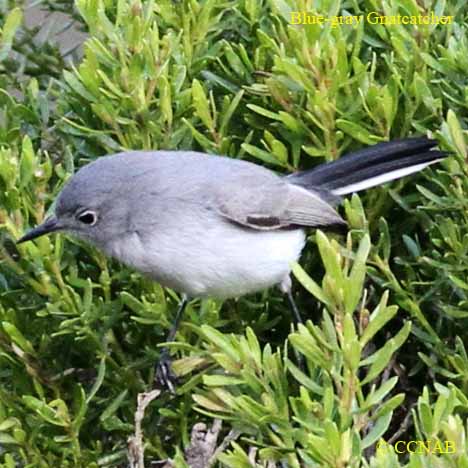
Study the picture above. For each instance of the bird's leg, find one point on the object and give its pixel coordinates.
(295, 310)
(286, 287)
(165, 377)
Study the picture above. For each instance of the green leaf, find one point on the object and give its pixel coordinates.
(221, 341)
(208, 403)
(201, 104)
(390, 405)
(309, 283)
(234, 61)
(77, 86)
(262, 155)
(330, 257)
(381, 358)
(432, 62)
(7, 439)
(8, 423)
(378, 429)
(221, 380)
(355, 282)
(456, 133)
(303, 379)
(18, 338)
(306, 344)
(99, 380)
(114, 406)
(425, 417)
(264, 112)
(358, 132)
(282, 7)
(376, 396)
(165, 100)
(201, 139)
(27, 162)
(227, 115)
(51, 415)
(222, 82)
(10, 26)
(379, 317)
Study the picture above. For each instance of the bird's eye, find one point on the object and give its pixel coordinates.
(88, 217)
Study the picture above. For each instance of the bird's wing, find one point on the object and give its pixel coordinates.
(275, 204)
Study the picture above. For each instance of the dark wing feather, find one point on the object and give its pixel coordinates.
(275, 204)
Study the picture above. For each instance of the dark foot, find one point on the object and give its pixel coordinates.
(165, 377)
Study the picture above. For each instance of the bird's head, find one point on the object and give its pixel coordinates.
(90, 206)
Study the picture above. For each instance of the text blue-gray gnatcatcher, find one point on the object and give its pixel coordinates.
(207, 225)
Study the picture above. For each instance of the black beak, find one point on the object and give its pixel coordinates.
(49, 225)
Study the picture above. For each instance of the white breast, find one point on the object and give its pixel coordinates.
(224, 260)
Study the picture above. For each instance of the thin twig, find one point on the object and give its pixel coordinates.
(202, 444)
(233, 435)
(136, 448)
(403, 427)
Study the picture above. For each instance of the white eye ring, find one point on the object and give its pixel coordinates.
(88, 217)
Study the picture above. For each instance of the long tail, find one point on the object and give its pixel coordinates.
(370, 166)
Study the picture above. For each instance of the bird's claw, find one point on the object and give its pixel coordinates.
(165, 377)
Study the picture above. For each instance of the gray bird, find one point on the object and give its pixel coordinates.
(208, 225)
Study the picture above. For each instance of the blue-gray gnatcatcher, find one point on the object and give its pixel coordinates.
(207, 225)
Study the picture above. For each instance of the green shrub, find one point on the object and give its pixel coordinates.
(383, 346)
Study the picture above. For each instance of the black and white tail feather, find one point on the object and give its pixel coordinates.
(370, 167)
